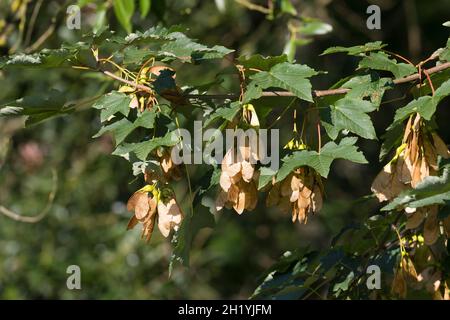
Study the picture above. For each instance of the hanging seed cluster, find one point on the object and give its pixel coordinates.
(301, 193)
(238, 180)
(156, 202)
(417, 271)
(151, 205)
(416, 159)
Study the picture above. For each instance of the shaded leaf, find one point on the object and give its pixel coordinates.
(431, 190)
(356, 50)
(425, 105)
(381, 61)
(122, 128)
(37, 107)
(144, 7)
(291, 77)
(124, 10)
(321, 162)
(351, 114)
(260, 62)
(143, 149)
(112, 103)
(225, 112)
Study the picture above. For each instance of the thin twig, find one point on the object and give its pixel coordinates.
(41, 39)
(34, 219)
(316, 93)
(253, 6)
(283, 112)
(131, 83)
(33, 18)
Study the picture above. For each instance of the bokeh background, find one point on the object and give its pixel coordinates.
(86, 225)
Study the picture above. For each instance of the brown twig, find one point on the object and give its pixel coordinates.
(34, 16)
(330, 92)
(34, 219)
(131, 83)
(316, 93)
(40, 41)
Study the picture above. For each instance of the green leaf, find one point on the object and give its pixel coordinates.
(182, 241)
(124, 10)
(356, 50)
(187, 50)
(437, 79)
(265, 177)
(343, 285)
(425, 105)
(288, 7)
(325, 115)
(100, 18)
(381, 61)
(442, 92)
(37, 107)
(314, 27)
(392, 138)
(154, 35)
(143, 149)
(46, 58)
(432, 190)
(225, 112)
(112, 103)
(136, 55)
(122, 128)
(260, 62)
(144, 7)
(445, 54)
(351, 114)
(321, 162)
(368, 86)
(291, 77)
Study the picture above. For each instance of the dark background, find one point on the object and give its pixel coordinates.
(86, 224)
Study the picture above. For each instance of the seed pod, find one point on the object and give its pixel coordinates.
(441, 147)
(415, 159)
(446, 224)
(238, 181)
(139, 203)
(387, 185)
(300, 193)
(169, 216)
(143, 203)
(399, 286)
(415, 219)
(431, 226)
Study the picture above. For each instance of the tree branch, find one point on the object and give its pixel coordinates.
(34, 219)
(316, 93)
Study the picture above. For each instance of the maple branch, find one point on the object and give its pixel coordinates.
(131, 83)
(413, 77)
(316, 93)
(34, 219)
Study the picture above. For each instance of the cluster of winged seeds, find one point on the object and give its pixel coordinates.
(420, 274)
(301, 192)
(150, 205)
(415, 160)
(156, 201)
(238, 180)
